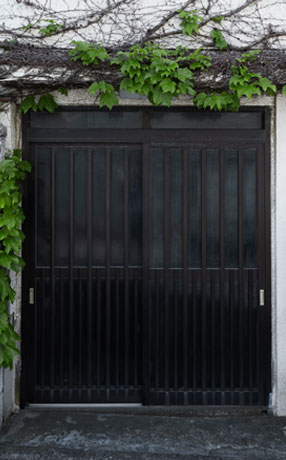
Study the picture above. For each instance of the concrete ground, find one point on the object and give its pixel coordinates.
(72, 434)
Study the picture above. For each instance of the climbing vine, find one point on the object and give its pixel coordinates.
(163, 74)
(12, 172)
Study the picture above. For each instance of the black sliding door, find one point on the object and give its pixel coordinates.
(205, 272)
(147, 254)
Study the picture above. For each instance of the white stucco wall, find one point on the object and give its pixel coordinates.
(138, 15)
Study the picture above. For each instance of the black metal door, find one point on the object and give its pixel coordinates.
(147, 260)
(205, 268)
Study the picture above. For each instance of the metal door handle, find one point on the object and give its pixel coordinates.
(31, 296)
(261, 297)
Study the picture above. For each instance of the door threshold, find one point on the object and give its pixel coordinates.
(85, 405)
(168, 411)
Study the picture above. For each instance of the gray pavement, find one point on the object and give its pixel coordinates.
(72, 434)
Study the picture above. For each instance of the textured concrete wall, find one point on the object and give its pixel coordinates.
(279, 308)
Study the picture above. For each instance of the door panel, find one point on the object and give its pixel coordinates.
(203, 286)
(88, 274)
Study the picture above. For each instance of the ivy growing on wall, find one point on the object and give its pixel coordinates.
(163, 74)
(12, 172)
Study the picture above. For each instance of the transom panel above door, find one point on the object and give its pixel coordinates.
(148, 258)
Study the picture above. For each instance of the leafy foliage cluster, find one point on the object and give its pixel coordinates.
(163, 74)
(242, 83)
(159, 74)
(12, 173)
(45, 102)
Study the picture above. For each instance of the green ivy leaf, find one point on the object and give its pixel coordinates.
(5, 200)
(127, 84)
(88, 53)
(218, 19)
(28, 26)
(94, 88)
(4, 321)
(25, 166)
(250, 56)
(1, 353)
(284, 90)
(8, 218)
(190, 88)
(108, 100)
(199, 60)
(51, 28)
(7, 354)
(27, 104)
(12, 244)
(168, 86)
(236, 80)
(190, 22)
(248, 91)
(182, 88)
(183, 74)
(63, 91)
(218, 39)
(5, 260)
(266, 85)
(11, 262)
(47, 102)
(217, 101)
(160, 97)
(6, 292)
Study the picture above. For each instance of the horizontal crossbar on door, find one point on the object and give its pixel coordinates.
(143, 135)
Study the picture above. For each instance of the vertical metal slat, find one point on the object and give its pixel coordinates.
(203, 274)
(117, 364)
(52, 275)
(222, 275)
(262, 335)
(185, 276)
(157, 361)
(62, 322)
(71, 262)
(107, 292)
(146, 285)
(232, 330)
(80, 328)
(176, 335)
(126, 274)
(135, 330)
(250, 282)
(196, 279)
(213, 352)
(241, 274)
(89, 274)
(166, 290)
(43, 331)
(98, 331)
